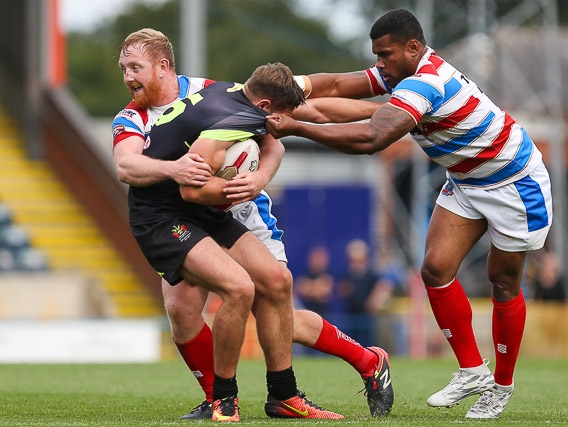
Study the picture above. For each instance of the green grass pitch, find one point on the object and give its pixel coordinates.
(157, 394)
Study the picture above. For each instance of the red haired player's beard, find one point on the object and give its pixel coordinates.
(149, 97)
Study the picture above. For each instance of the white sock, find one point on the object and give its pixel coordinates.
(477, 370)
(504, 388)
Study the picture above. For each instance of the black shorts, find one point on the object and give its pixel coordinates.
(166, 244)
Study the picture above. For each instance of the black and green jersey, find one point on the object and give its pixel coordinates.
(221, 111)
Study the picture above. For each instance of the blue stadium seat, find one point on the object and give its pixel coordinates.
(16, 254)
(5, 216)
(7, 260)
(30, 259)
(13, 237)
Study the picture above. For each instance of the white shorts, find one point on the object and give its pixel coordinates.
(258, 218)
(518, 215)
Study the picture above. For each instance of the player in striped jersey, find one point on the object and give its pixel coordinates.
(496, 183)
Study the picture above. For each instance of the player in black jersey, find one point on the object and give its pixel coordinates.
(213, 118)
(184, 238)
(147, 62)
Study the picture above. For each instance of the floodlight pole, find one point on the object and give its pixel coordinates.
(557, 130)
(193, 37)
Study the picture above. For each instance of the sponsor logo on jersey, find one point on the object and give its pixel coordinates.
(128, 113)
(400, 95)
(236, 87)
(117, 130)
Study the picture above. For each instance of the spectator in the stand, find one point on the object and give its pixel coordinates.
(363, 292)
(315, 288)
(549, 283)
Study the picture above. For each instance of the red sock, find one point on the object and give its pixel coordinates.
(198, 356)
(336, 343)
(508, 326)
(453, 313)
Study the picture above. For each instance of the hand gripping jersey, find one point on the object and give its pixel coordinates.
(220, 111)
(459, 127)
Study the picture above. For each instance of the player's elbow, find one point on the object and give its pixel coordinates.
(377, 141)
(188, 193)
(369, 148)
(122, 176)
(126, 173)
(318, 119)
(367, 145)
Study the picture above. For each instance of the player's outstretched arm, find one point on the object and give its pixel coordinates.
(387, 125)
(133, 168)
(335, 110)
(346, 85)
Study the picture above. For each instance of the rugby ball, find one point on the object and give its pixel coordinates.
(240, 157)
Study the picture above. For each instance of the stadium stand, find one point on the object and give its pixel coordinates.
(44, 228)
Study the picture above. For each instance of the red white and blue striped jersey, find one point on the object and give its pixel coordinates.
(134, 121)
(459, 127)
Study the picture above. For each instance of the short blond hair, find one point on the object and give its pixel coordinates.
(153, 43)
(276, 82)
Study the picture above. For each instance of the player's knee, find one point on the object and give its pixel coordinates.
(180, 312)
(284, 279)
(240, 293)
(433, 273)
(505, 288)
(279, 285)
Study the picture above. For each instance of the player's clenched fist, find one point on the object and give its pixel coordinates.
(279, 125)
